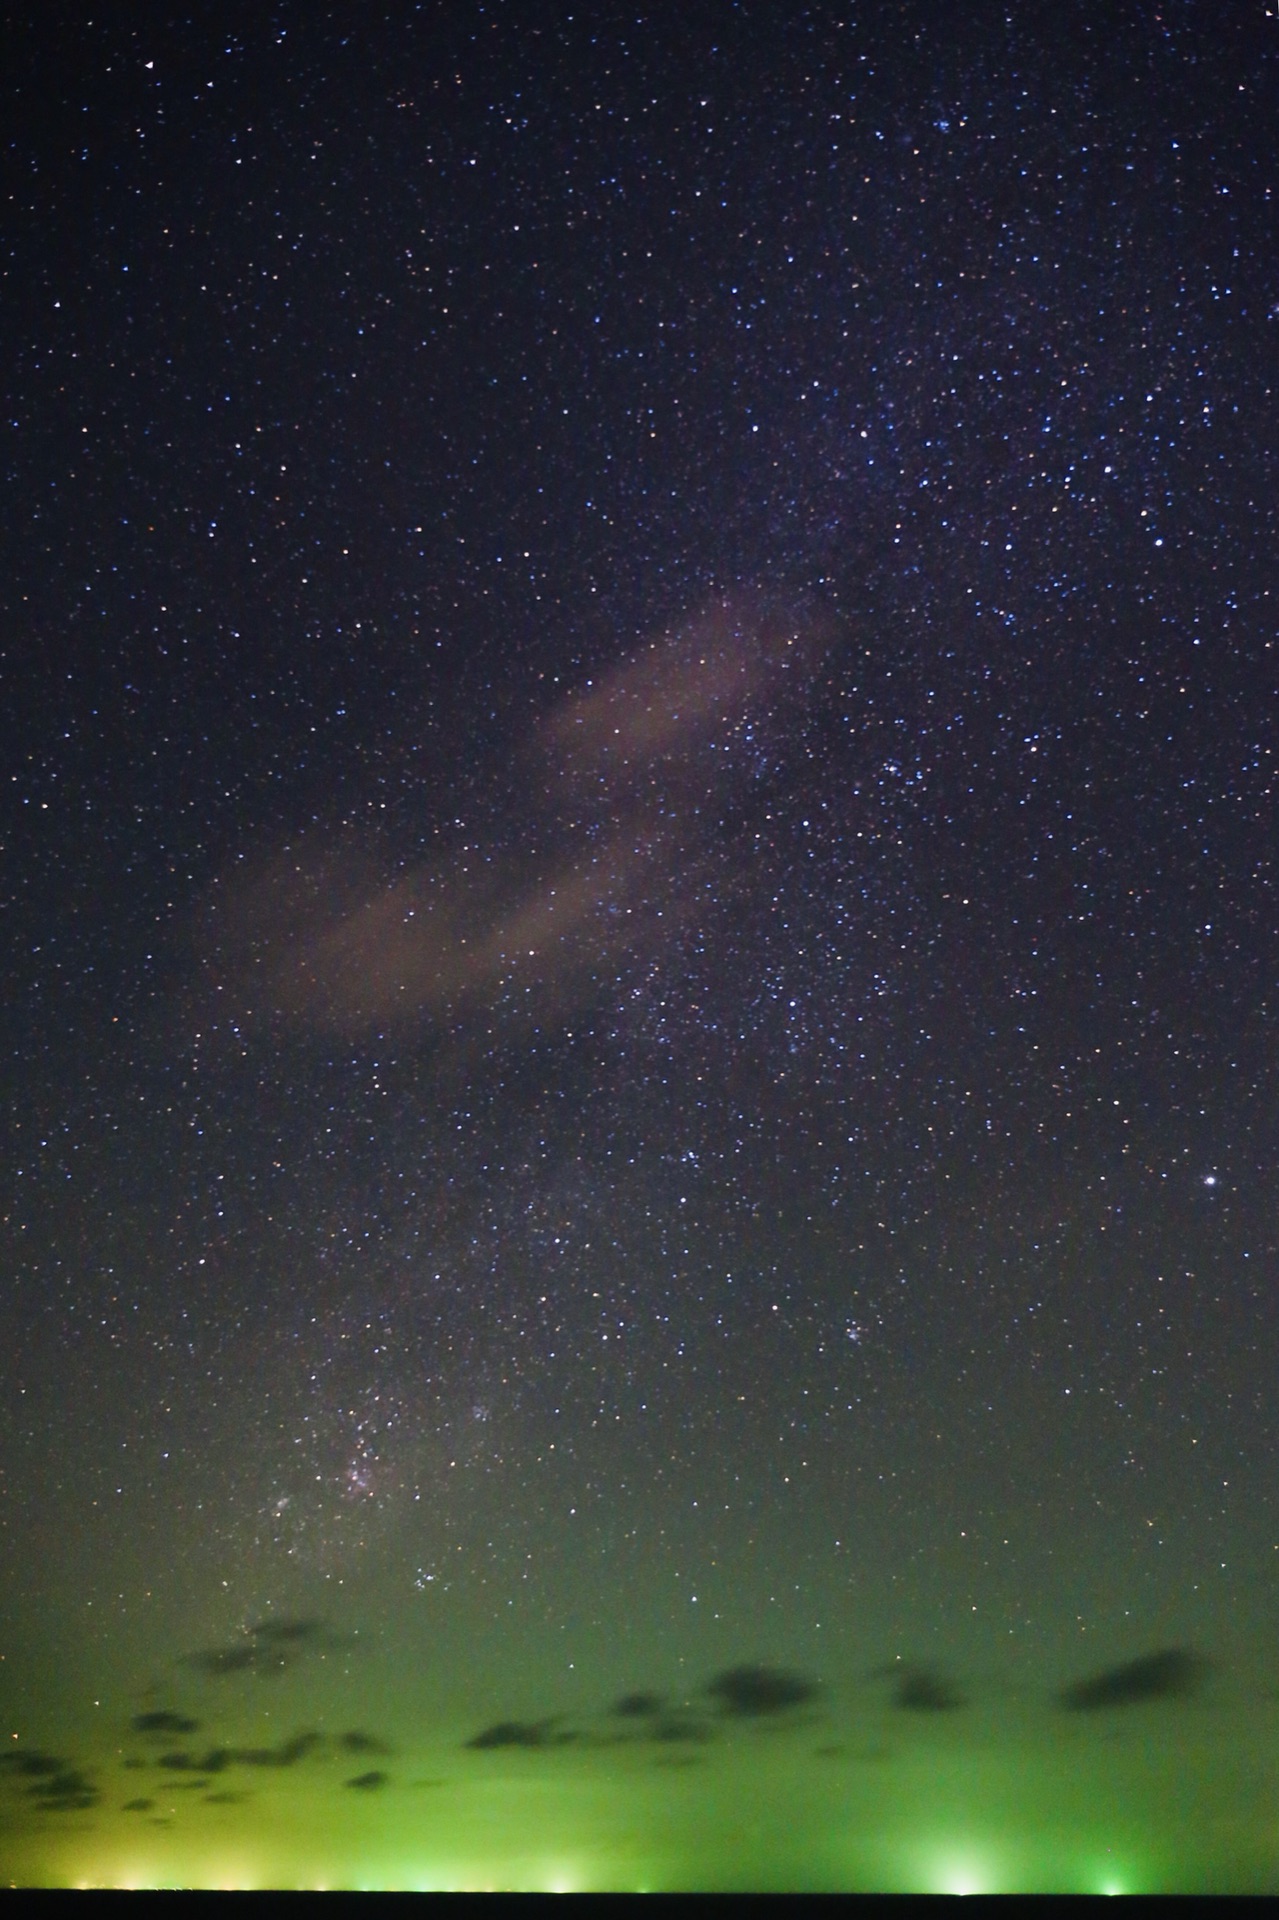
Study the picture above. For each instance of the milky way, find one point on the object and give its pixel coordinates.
(639, 838)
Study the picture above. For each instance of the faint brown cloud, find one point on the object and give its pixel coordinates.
(621, 780)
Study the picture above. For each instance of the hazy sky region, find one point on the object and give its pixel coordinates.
(638, 686)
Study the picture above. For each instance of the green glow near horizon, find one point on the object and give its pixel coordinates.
(957, 1866)
(1119, 1815)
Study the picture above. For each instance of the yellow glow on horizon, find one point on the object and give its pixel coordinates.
(964, 1874)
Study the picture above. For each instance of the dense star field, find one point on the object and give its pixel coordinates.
(639, 917)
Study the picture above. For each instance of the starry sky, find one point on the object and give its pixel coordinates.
(639, 913)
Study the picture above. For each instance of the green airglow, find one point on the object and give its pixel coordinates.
(770, 1810)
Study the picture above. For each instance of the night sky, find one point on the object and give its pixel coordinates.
(639, 916)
